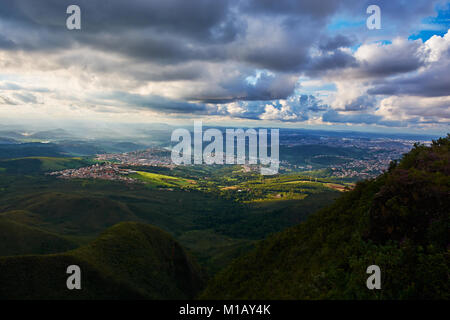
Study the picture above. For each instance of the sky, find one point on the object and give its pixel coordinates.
(285, 63)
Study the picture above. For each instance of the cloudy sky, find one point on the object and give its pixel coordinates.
(297, 63)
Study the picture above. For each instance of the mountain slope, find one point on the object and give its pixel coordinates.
(19, 239)
(38, 165)
(128, 261)
(30, 149)
(68, 213)
(399, 221)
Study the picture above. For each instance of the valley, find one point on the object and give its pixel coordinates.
(56, 210)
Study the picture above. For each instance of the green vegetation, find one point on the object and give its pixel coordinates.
(56, 164)
(31, 149)
(280, 188)
(214, 250)
(399, 221)
(319, 155)
(184, 201)
(161, 180)
(127, 261)
(19, 239)
(65, 213)
(33, 165)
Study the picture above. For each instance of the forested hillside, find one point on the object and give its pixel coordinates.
(398, 221)
(128, 261)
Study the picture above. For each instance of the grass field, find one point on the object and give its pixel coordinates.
(32, 165)
(280, 188)
(161, 180)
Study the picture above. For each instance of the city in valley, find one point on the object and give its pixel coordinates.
(348, 158)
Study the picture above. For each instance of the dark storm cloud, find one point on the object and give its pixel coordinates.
(391, 66)
(6, 43)
(303, 23)
(172, 74)
(313, 8)
(337, 59)
(165, 31)
(155, 103)
(332, 56)
(290, 57)
(269, 87)
(336, 42)
(397, 15)
(169, 31)
(396, 58)
(266, 87)
(137, 70)
(361, 103)
(175, 31)
(434, 82)
(180, 30)
(195, 17)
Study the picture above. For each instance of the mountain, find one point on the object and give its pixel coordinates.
(11, 148)
(93, 147)
(56, 134)
(5, 140)
(68, 213)
(31, 149)
(11, 134)
(19, 239)
(316, 154)
(128, 261)
(34, 165)
(399, 221)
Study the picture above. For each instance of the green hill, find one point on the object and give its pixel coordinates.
(34, 165)
(128, 261)
(19, 239)
(30, 149)
(399, 221)
(68, 213)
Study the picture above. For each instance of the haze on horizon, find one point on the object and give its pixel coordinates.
(309, 64)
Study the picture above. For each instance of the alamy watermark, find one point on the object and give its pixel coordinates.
(191, 151)
(74, 280)
(73, 22)
(374, 281)
(374, 20)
